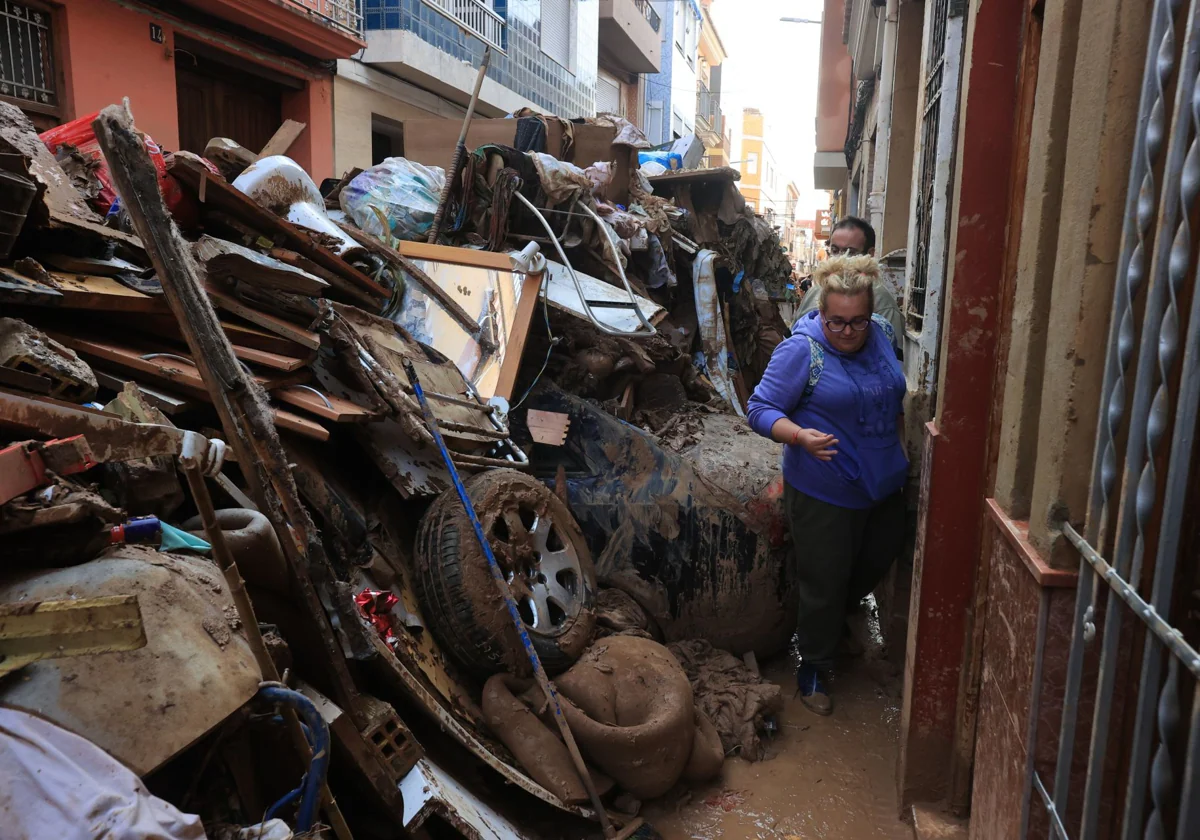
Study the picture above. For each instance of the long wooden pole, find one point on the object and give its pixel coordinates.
(239, 401)
(460, 150)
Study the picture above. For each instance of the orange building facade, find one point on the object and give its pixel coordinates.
(229, 68)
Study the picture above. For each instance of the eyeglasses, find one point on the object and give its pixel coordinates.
(837, 325)
(844, 251)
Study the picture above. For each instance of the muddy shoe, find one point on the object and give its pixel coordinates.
(812, 692)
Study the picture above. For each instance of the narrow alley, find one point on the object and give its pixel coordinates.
(618, 420)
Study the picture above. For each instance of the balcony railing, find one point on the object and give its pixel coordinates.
(343, 15)
(648, 11)
(476, 17)
(708, 109)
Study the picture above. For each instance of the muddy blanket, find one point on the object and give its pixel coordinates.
(733, 698)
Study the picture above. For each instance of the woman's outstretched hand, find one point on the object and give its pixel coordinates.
(817, 444)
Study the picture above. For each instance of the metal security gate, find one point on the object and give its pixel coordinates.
(1140, 487)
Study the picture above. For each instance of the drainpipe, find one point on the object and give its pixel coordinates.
(876, 200)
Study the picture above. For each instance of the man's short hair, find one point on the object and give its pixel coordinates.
(862, 225)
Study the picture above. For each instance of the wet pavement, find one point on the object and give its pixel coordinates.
(828, 777)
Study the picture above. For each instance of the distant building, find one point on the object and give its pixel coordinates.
(670, 108)
(710, 119)
(760, 175)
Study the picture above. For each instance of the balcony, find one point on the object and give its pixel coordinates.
(710, 121)
(476, 17)
(629, 36)
(325, 29)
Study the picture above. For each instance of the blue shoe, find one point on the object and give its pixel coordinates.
(811, 689)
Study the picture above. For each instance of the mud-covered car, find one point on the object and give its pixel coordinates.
(705, 559)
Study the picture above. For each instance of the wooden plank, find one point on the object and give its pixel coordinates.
(300, 425)
(519, 332)
(174, 370)
(228, 259)
(90, 265)
(337, 409)
(24, 381)
(227, 199)
(271, 323)
(456, 256)
(77, 291)
(165, 402)
(283, 138)
(271, 360)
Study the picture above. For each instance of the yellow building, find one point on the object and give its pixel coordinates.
(710, 119)
(760, 176)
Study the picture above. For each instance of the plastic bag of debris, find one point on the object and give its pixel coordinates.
(398, 192)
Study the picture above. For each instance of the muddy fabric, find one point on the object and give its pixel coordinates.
(55, 784)
(617, 614)
(841, 555)
(730, 695)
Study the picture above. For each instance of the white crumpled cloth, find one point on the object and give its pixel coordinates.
(54, 784)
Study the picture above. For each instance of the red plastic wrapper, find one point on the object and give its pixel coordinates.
(79, 133)
(377, 607)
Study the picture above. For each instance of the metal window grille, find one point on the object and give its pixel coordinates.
(27, 68)
(1142, 470)
(930, 122)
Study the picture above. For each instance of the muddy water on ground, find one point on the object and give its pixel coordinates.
(830, 777)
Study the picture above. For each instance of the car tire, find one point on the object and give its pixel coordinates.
(544, 556)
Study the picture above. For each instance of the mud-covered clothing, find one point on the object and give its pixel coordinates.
(841, 556)
(856, 397)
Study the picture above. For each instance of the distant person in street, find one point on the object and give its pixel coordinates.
(852, 237)
(833, 394)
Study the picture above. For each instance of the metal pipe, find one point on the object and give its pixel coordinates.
(604, 328)
(539, 672)
(314, 779)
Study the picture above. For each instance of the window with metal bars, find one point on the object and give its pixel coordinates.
(930, 121)
(28, 68)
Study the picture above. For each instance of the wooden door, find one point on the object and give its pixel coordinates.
(216, 101)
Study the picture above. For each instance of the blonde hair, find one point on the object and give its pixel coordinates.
(847, 276)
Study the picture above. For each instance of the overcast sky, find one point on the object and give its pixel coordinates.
(772, 66)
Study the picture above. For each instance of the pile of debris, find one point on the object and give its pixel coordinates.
(233, 406)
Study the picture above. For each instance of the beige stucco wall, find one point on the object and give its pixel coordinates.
(360, 94)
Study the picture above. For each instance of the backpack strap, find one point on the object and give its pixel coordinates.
(816, 366)
(887, 328)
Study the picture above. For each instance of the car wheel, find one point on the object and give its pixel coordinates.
(543, 555)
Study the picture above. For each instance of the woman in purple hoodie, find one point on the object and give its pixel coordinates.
(833, 393)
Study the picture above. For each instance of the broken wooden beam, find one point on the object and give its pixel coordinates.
(239, 402)
(283, 138)
(229, 260)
